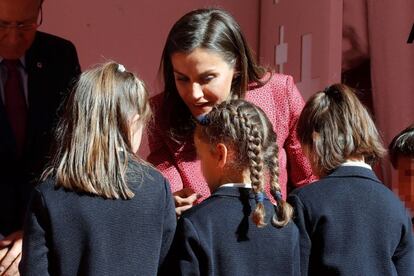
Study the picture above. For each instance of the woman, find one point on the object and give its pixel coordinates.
(205, 61)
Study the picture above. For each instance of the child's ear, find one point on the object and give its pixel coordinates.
(222, 155)
(133, 126)
(135, 119)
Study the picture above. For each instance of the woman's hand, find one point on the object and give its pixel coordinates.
(184, 199)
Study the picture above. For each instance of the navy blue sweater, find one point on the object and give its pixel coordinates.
(68, 233)
(351, 224)
(217, 237)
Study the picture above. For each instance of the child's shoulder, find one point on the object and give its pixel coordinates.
(205, 210)
(309, 189)
(47, 185)
(141, 172)
(47, 190)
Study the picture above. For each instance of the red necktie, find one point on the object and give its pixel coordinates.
(15, 103)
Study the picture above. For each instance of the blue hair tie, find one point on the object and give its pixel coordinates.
(276, 194)
(259, 197)
(203, 119)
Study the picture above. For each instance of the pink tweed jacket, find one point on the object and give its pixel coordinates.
(280, 100)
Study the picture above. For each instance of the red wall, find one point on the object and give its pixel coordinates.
(133, 32)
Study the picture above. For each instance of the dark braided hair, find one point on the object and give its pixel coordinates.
(246, 129)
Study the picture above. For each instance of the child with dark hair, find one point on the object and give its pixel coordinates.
(349, 222)
(100, 209)
(401, 151)
(237, 230)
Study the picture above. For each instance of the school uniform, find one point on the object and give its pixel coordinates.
(351, 224)
(69, 233)
(218, 237)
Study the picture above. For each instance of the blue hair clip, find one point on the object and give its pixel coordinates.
(203, 119)
(259, 197)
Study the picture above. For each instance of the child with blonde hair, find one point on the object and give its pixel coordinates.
(349, 222)
(237, 230)
(100, 210)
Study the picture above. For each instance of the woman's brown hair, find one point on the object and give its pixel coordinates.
(93, 138)
(214, 30)
(246, 129)
(334, 127)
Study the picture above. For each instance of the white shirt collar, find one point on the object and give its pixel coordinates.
(356, 163)
(22, 60)
(237, 185)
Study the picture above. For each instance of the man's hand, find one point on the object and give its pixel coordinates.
(11, 253)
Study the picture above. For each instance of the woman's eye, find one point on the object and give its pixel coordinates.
(181, 79)
(208, 78)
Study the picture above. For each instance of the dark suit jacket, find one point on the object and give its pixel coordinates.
(70, 233)
(351, 224)
(218, 237)
(52, 65)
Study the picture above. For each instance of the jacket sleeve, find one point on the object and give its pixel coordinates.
(404, 254)
(301, 222)
(170, 223)
(160, 155)
(299, 169)
(296, 257)
(186, 256)
(35, 247)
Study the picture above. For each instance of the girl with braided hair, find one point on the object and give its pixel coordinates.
(237, 230)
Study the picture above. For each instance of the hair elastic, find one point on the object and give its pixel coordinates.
(276, 194)
(332, 91)
(121, 68)
(259, 197)
(203, 119)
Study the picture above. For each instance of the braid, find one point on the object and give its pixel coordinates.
(254, 153)
(283, 209)
(246, 128)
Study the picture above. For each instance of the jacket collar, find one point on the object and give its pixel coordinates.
(354, 171)
(234, 192)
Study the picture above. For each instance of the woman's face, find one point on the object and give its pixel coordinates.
(203, 78)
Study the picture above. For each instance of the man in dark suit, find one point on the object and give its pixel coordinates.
(36, 71)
